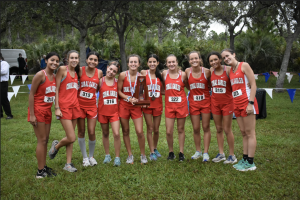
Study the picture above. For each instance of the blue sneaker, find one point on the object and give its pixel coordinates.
(107, 159)
(117, 161)
(219, 158)
(230, 160)
(247, 167)
(241, 162)
(157, 153)
(153, 156)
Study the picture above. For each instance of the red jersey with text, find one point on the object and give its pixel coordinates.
(126, 90)
(68, 91)
(108, 99)
(87, 90)
(240, 90)
(156, 87)
(221, 88)
(199, 92)
(174, 92)
(45, 94)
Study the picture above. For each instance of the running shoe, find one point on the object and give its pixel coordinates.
(50, 171)
(129, 159)
(230, 160)
(43, 174)
(153, 156)
(197, 155)
(93, 161)
(86, 162)
(171, 156)
(205, 157)
(70, 168)
(219, 158)
(157, 153)
(107, 159)
(53, 151)
(181, 156)
(247, 167)
(241, 166)
(241, 162)
(144, 159)
(117, 161)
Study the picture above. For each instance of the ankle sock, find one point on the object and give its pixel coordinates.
(40, 171)
(245, 157)
(250, 160)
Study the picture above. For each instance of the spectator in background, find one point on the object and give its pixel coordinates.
(4, 88)
(43, 63)
(22, 66)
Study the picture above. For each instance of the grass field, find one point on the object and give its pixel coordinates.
(277, 160)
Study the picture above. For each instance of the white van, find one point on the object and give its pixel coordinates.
(11, 56)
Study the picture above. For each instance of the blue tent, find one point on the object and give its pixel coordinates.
(103, 66)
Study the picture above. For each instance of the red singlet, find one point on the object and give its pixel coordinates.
(126, 91)
(108, 99)
(157, 103)
(87, 90)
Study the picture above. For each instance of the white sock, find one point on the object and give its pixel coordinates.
(92, 145)
(81, 142)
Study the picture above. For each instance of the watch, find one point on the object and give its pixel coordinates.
(251, 102)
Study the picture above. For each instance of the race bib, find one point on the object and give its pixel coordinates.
(237, 93)
(219, 90)
(175, 99)
(86, 94)
(110, 101)
(199, 97)
(156, 94)
(49, 99)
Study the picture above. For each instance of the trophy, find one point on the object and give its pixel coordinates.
(141, 92)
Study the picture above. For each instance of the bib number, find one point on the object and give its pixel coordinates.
(155, 94)
(86, 94)
(110, 101)
(49, 99)
(175, 99)
(199, 97)
(219, 90)
(237, 93)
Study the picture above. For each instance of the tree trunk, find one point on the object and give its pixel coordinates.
(231, 40)
(82, 49)
(72, 32)
(160, 33)
(122, 51)
(18, 36)
(57, 30)
(9, 33)
(62, 33)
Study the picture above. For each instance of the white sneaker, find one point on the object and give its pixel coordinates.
(144, 159)
(205, 157)
(86, 162)
(197, 155)
(129, 159)
(219, 158)
(93, 161)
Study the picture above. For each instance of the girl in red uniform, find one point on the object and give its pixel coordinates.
(89, 77)
(67, 107)
(175, 104)
(41, 97)
(108, 111)
(245, 106)
(221, 105)
(199, 102)
(154, 82)
(126, 87)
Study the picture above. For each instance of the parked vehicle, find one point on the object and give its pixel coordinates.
(11, 56)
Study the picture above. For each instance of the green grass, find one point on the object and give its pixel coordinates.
(277, 160)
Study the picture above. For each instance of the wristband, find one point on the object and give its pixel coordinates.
(128, 98)
(251, 102)
(57, 108)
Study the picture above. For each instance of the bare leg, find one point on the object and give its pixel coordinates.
(206, 130)
(249, 124)
(138, 123)
(240, 122)
(169, 132)
(126, 138)
(41, 131)
(91, 123)
(105, 137)
(181, 133)
(196, 128)
(156, 124)
(149, 123)
(220, 136)
(115, 126)
(227, 124)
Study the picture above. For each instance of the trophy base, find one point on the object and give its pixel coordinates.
(142, 103)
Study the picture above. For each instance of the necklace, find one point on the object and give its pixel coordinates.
(236, 66)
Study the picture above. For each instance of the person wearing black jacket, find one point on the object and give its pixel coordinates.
(22, 66)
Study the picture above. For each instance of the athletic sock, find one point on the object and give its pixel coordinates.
(92, 145)
(250, 160)
(40, 171)
(245, 157)
(81, 142)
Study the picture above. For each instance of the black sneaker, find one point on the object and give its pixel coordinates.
(181, 156)
(43, 174)
(171, 156)
(50, 171)
(10, 117)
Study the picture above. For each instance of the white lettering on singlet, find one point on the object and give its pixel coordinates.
(90, 84)
(218, 82)
(173, 86)
(237, 81)
(157, 87)
(110, 93)
(197, 85)
(126, 89)
(72, 85)
(50, 89)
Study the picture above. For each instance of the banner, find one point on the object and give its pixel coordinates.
(9, 95)
(24, 78)
(256, 76)
(289, 77)
(16, 89)
(275, 74)
(267, 76)
(97, 95)
(269, 91)
(29, 86)
(292, 93)
(12, 78)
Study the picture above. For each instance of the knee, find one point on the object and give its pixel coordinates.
(105, 134)
(81, 133)
(125, 132)
(156, 132)
(140, 134)
(243, 133)
(116, 136)
(196, 130)
(228, 131)
(180, 130)
(169, 133)
(43, 141)
(72, 139)
(149, 129)
(206, 128)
